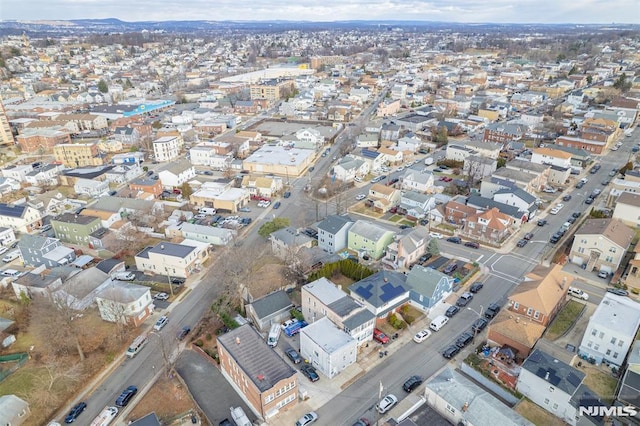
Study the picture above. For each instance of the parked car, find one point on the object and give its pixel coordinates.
(566, 197)
(310, 373)
(453, 309)
(177, 281)
(362, 422)
(162, 321)
(618, 291)
(276, 205)
(244, 209)
(450, 268)
(287, 194)
(464, 299)
(579, 185)
(75, 412)
(522, 243)
(307, 419)
(421, 336)
(435, 235)
(183, 332)
(576, 292)
(379, 336)
(451, 351)
(386, 403)
(455, 240)
(603, 274)
(476, 287)
(492, 310)
(126, 396)
(589, 200)
(360, 197)
(472, 244)
(293, 356)
(412, 383)
(576, 215)
(464, 339)
(528, 236)
(542, 222)
(425, 257)
(479, 325)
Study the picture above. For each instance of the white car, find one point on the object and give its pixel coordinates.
(435, 235)
(360, 197)
(307, 419)
(421, 336)
(287, 323)
(357, 179)
(386, 404)
(576, 292)
(161, 296)
(3, 250)
(162, 321)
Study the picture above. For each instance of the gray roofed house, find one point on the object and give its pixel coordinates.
(551, 383)
(110, 266)
(119, 204)
(418, 181)
(171, 259)
(427, 286)
(13, 410)
(518, 215)
(629, 389)
(461, 401)
(79, 291)
(333, 232)
(207, 234)
(407, 247)
(150, 419)
(527, 166)
(327, 347)
(381, 292)
(273, 308)
(124, 302)
(37, 250)
(255, 371)
(288, 240)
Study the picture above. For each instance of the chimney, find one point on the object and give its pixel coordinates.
(465, 407)
(237, 340)
(161, 246)
(564, 282)
(546, 376)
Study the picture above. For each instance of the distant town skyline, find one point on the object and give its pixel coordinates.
(472, 11)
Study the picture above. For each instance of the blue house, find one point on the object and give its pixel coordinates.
(427, 287)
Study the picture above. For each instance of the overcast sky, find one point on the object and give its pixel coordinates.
(499, 11)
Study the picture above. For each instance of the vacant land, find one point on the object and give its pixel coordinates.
(537, 415)
(565, 320)
(168, 398)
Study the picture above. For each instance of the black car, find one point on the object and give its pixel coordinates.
(425, 257)
(476, 287)
(294, 356)
(492, 310)
(566, 198)
(618, 291)
(150, 172)
(287, 194)
(464, 299)
(472, 244)
(310, 372)
(522, 243)
(479, 325)
(453, 309)
(126, 396)
(183, 333)
(588, 201)
(451, 351)
(576, 215)
(464, 339)
(450, 268)
(412, 383)
(456, 240)
(177, 281)
(405, 226)
(542, 222)
(75, 412)
(528, 236)
(579, 185)
(572, 220)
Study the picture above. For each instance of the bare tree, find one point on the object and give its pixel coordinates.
(56, 375)
(55, 323)
(297, 263)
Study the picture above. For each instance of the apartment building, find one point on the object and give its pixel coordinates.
(78, 154)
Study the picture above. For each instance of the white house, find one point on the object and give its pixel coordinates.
(20, 218)
(409, 143)
(367, 140)
(176, 174)
(418, 181)
(601, 244)
(311, 136)
(166, 148)
(92, 188)
(552, 157)
(124, 303)
(170, 259)
(327, 348)
(333, 233)
(458, 152)
(349, 167)
(611, 330)
(7, 236)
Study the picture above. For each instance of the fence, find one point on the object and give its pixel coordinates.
(489, 384)
(10, 363)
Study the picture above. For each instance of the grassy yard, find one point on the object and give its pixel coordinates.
(395, 218)
(537, 415)
(601, 382)
(565, 319)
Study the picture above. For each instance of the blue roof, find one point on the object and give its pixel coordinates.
(367, 153)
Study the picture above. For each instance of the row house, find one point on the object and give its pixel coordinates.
(78, 154)
(550, 156)
(122, 173)
(491, 226)
(333, 233)
(456, 211)
(503, 133)
(45, 175)
(388, 107)
(127, 135)
(31, 141)
(146, 185)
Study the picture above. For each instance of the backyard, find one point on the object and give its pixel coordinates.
(168, 398)
(536, 415)
(564, 320)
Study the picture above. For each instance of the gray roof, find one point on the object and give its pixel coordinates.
(122, 292)
(290, 236)
(369, 230)
(483, 409)
(357, 319)
(11, 408)
(618, 313)
(326, 335)
(334, 223)
(423, 280)
(264, 367)
(344, 306)
(487, 203)
(37, 242)
(324, 290)
(271, 303)
(630, 388)
(380, 288)
(75, 219)
(177, 167)
(420, 177)
(172, 249)
(552, 370)
(107, 265)
(211, 231)
(526, 166)
(114, 204)
(520, 193)
(514, 175)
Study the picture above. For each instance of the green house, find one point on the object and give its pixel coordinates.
(369, 238)
(75, 228)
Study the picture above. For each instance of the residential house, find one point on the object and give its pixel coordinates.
(221, 196)
(388, 107)
(176, 174)
(124, 303)
(461, 401)
(37, 250)
(416, 205)
(595, 147)
(20, 218)
(90, 187)
(627, 209)
(17, 172)
(384, 197)
(391, 156)
(49, 203)
(427, 287)
(367, 140)
(541, 295)
(74, 228)
(114, 210)
(629, 388)
(45, 175)
(477, 167)
(326, 347)
(348, 167)
(7, 236)
(375, 159)
(207, 234)
(279, 160)
(265, 381)
(601, 244)
(369, 239)
(519, 198)
(632, 277)
(14, 411)
(123, 173)
(503, 133)
(456, 211)
(418, 181)
(333, 233)
(174, 260)
(554, 385)
(491, 226)
(127, 135)
(78, 154)
(382, 293)
(486, 149)
(78, 291)
(409, 143)
(145, 185)
(274, 308)
(415, 123)
(38, 283)
(611, 331)
(322, 298)
(286, 242)
(407, 248)
(166, 148)
(552, 157)
(516, 216)
(515, 331)
(309, 138)
(262, 186)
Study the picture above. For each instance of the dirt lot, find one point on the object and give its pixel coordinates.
(537, 415)
(268, 277)
(168, 398)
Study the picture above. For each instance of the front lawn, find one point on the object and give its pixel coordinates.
(565, 320)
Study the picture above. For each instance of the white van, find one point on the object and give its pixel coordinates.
(207, 210)
(438, 323)
(10, 257)
(105, 417)
(274, 335)
(10, 273)
(136, 346)
(239, 416)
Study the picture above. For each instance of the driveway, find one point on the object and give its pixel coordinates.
(209, 388)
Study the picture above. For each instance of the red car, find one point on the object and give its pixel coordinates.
(379, 336)
(447, 179)
(177, 191)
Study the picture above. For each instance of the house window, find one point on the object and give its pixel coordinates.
(529, 311)
(613, 340)
(555, 406)
(551, 389)
(596, 347)
(589, 344)
(615, 354)
(516, 306)
(612, 249)
(608, 351)
(451, 409)
(594, 332)
(536, 315)
(546, 401)
(580, 249)
(620, 343)
(601, 334)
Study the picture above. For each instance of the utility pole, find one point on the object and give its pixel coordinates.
(379, 399)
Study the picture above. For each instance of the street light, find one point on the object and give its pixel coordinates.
(166, 270)
(479, 314)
